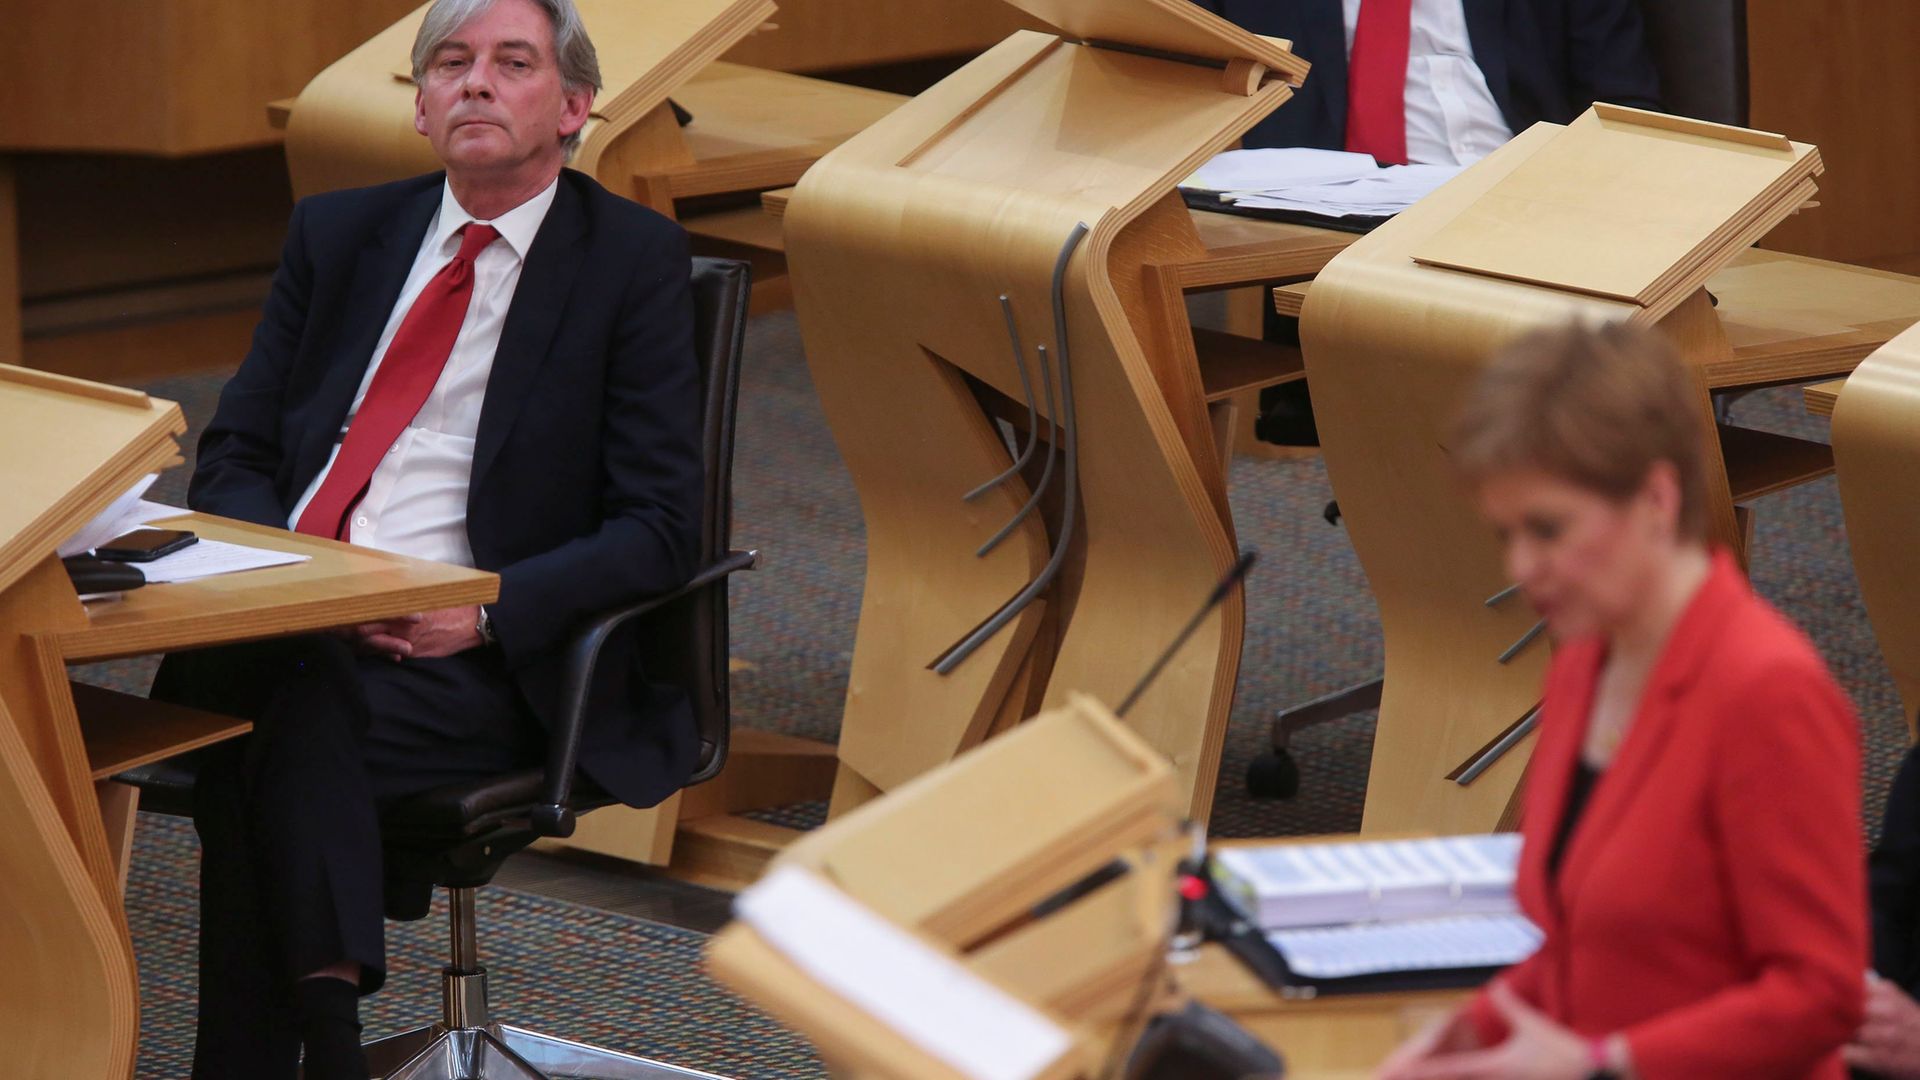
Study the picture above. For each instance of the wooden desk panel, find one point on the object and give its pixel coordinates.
(1321, 1038)
(340, 585)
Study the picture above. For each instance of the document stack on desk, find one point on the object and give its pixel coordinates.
(1385, 914)
(1339, 187)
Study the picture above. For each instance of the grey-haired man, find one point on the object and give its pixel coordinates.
(491, 366)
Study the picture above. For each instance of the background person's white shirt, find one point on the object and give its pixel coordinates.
(416, 502)
(1452, 118)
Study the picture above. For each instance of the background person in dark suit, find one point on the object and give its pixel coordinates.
(1436, 82)
(1492, 64)
(491, 366)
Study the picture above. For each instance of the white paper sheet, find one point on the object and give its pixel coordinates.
(209, 558)
(1334, 952)
(932, 1000)
(1278, 167)
(121, 515)
(1325, 182)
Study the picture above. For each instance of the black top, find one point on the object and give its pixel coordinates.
(1579, 792)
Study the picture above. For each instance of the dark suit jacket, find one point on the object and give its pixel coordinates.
(1710, 904)
(1895, 880)
(587, 474)
(1543, 59)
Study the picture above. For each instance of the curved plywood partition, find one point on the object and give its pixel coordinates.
(902, 243)
(69, 1005)
(1876, 451)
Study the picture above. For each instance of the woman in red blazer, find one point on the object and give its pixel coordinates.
(1692, 835)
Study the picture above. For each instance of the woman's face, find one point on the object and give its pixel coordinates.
(1584, 560)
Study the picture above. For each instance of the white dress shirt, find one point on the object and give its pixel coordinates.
(416, 501)
(1452, 118)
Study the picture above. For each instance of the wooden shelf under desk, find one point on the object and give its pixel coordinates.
(1822, 397)
(338, 585)
(751, 226)
(125, 732)
(1231, 364)
(1761, 462)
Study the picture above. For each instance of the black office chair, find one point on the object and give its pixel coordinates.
(1700, 50)
(459, 835)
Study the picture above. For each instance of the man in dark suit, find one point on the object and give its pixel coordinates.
(1537, 59)
(1437, 82)
(492, 366)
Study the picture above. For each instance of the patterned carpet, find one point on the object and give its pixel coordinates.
(569, 970)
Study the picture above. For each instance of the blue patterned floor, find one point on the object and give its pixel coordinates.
(562, 968)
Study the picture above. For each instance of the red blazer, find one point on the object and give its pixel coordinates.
(1711, 903)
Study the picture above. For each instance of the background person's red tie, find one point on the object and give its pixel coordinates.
(1377, 81)
(415, 357)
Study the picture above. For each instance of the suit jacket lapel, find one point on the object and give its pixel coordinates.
(1656, 719)
(378, 275)
(1323, 43)
(1487, 33)
(539, 299)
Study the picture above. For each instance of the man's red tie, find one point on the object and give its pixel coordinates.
(415, 357)
(1377, 81)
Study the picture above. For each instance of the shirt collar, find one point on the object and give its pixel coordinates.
(517, 226)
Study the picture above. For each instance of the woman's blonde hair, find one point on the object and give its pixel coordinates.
(1597, 408)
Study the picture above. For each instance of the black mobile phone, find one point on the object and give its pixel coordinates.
(144, 545)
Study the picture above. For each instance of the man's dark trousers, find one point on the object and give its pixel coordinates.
(291, 878)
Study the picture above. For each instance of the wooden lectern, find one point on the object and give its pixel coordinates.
(960, 859)
(69, 997)
(1876, 447)
(1620, 216)
(1009, 246)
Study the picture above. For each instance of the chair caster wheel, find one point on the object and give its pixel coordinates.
(1273, 775)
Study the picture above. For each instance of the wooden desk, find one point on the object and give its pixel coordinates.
(1324, 1038)
(1822, 397)
(339, 585)
(66, 854)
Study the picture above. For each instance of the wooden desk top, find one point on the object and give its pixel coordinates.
(339, 585)
(1240, 250)
(738, 109)
(1791, 318)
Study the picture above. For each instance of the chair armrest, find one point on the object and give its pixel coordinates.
(553, 817)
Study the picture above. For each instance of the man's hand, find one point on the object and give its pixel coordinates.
(1888, 1042)
(1536, 1048)
(419, 637)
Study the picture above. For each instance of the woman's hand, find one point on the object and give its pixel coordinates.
(1888, 1042)
(1536, 1048)
(1450, 1034)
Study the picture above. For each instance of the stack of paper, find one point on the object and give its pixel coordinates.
(1349, 909)
(1345, 952)
(1287, 885)
(1329, 183)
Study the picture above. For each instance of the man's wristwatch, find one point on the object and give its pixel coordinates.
(484, 626)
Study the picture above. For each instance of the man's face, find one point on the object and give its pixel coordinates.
(491, 101)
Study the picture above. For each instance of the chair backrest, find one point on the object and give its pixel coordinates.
(685, 643)
(1700, 49)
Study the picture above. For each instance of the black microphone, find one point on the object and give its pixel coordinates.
(1232, 577)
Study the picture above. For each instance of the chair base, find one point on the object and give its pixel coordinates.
(504, 1052)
